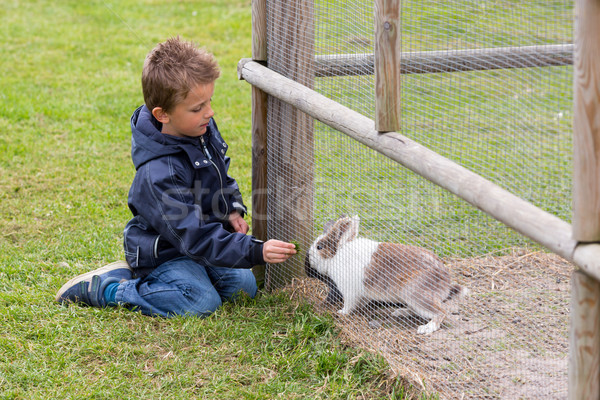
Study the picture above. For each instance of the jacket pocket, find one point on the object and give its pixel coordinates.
(144, 248)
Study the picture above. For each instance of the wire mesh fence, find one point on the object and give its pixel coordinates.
(459, 304)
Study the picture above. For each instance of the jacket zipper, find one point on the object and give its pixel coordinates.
(207, 153)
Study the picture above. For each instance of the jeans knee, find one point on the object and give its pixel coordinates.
(248, 284)
(206, 302)
(203, 306)
(235, 282)
(187, 299)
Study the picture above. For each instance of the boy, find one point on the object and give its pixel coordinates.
(186, 247)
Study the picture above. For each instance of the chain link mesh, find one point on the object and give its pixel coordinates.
(508, 337)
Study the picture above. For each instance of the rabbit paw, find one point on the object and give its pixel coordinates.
(428, 328)
(402, 313)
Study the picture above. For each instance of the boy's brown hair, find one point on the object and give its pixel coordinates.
(172, 69)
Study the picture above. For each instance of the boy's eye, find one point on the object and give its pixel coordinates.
(201, 107)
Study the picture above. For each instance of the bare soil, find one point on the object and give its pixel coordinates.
(507, 340)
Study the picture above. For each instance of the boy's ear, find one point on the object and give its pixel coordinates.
(160, 115)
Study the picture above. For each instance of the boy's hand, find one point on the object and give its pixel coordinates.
(238, 223)
(276, 251)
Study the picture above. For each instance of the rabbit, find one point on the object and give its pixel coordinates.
(360, 268)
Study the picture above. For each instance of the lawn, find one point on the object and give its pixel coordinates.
(70, 79)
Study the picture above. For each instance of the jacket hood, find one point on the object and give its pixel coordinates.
(147, 142)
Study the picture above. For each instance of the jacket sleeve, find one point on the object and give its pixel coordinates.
(166, 200)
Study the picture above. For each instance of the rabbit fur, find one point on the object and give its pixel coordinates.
(333, 295)
(356, 268)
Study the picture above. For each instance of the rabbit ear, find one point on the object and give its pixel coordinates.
(348, 228)
(328, 225)
(343, 230)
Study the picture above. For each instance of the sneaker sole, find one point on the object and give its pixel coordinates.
(88, 276)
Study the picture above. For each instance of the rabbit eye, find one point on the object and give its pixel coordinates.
(319, 247)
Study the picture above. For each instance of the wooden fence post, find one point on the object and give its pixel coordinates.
(291, 53)
(584, 367)
(586, 122)
(584, 359)
(388, 48)
(259, 134)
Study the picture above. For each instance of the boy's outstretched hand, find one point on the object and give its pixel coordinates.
(276, 251)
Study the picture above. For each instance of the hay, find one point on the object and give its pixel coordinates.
(507, 340)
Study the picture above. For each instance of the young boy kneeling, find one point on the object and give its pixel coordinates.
(186, 247)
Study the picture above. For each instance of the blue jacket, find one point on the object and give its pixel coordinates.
(181, 198)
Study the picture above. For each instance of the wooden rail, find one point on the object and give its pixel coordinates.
(425, 62)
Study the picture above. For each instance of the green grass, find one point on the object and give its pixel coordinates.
(69, 83)
(259, 349)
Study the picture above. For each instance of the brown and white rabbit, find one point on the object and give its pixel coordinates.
(360, 268)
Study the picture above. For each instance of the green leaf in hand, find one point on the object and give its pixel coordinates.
(296, 244)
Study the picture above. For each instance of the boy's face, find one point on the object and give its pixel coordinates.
(190, 117)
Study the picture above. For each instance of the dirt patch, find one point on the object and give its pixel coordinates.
(507, 340)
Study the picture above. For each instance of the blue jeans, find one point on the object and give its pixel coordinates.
(183, 287)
